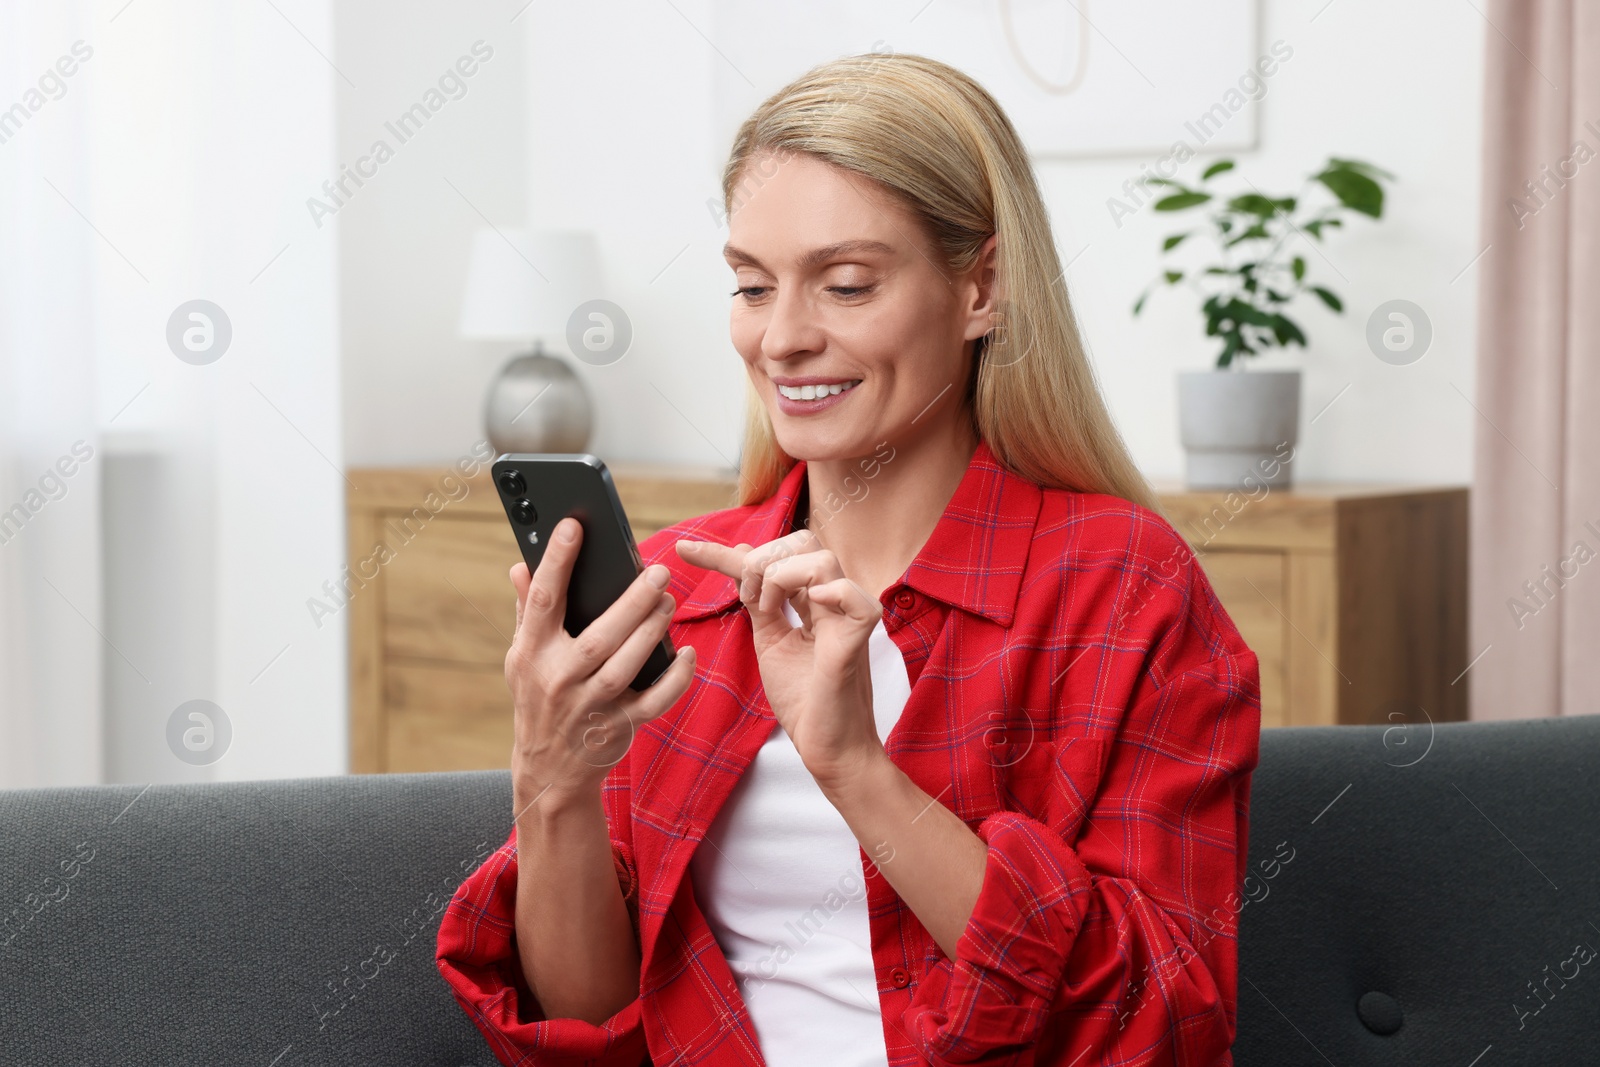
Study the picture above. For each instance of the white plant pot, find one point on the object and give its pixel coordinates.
(1238, 428)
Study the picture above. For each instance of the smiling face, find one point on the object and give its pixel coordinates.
(849, 327)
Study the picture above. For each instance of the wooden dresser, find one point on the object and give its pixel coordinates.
(1352, 597)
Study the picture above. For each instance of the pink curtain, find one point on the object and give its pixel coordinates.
(1535, 525)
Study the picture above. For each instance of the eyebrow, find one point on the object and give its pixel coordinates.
(816, 255)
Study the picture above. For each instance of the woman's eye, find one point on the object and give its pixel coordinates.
(755, 292)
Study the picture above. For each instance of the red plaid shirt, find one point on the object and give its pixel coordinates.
(1079, 698)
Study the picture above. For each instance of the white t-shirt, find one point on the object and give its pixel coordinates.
(779, 878)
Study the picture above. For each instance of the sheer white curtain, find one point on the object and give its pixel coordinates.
(50, 582)
(171, 165)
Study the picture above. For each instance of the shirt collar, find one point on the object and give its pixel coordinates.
(973, 560)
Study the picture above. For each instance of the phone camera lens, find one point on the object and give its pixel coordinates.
(523, 511)
(511, 483)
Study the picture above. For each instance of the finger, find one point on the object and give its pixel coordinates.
(711, 556)
(843, 596)
(602, 637)
(520, 577)
(521, 647)
(663, 693)
(619, 671)
(622, 720)
(757, 560)
(783, 578)
(546, 608)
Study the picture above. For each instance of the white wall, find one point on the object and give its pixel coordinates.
(414, 390)
(627, 129)
(616, 116)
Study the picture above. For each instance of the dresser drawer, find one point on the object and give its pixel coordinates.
(447, 596)
(446, 718)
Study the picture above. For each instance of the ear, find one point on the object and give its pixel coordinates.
(978, 291)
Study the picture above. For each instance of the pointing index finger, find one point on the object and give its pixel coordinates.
(711, 556)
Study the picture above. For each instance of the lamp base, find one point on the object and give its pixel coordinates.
(537, 404)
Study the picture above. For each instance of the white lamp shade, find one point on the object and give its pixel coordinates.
(524, 285)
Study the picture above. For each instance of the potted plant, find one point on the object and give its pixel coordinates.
(1235, 425)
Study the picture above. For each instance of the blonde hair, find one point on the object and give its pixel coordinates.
(936, 140)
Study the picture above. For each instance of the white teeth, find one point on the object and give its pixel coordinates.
(814, 392)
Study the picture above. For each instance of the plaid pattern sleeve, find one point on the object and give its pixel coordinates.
(477, 956)
(1086, 956)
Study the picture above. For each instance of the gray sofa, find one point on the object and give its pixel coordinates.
(1411, 890)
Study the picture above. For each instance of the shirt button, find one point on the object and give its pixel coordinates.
(899, 977)
(905, 598)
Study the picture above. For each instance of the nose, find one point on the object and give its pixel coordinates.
(791, 328)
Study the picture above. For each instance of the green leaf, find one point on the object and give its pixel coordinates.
(1138, 304)
(1299, 267)
(1328, 298)
(1314, 227)
(1174, 277)
(1360, 167)
(1234, 344)
(1172, 242)
(1179, 201)
(1229, 347)
(1218, 270)
(1163, 181)
(1258, 230)
(1277, 297)
(1355, 190)
(1264, 206)
(1287, 332)
(1217, 168)
(1240, 311)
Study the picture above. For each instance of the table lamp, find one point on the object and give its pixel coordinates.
(524, 285)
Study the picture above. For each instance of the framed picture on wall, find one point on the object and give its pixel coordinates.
(1077, 77)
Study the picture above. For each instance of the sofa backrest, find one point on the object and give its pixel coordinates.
(1423, 894)
(1417, 894)
(271, 922)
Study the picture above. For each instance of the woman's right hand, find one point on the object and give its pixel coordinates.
(575, 714)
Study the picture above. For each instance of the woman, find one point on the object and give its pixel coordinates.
(954, 764)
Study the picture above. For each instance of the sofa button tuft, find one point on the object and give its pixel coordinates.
(1379, 1012)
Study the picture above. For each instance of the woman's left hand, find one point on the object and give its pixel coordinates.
(816, 675)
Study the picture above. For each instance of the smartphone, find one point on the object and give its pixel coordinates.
(538, 490)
